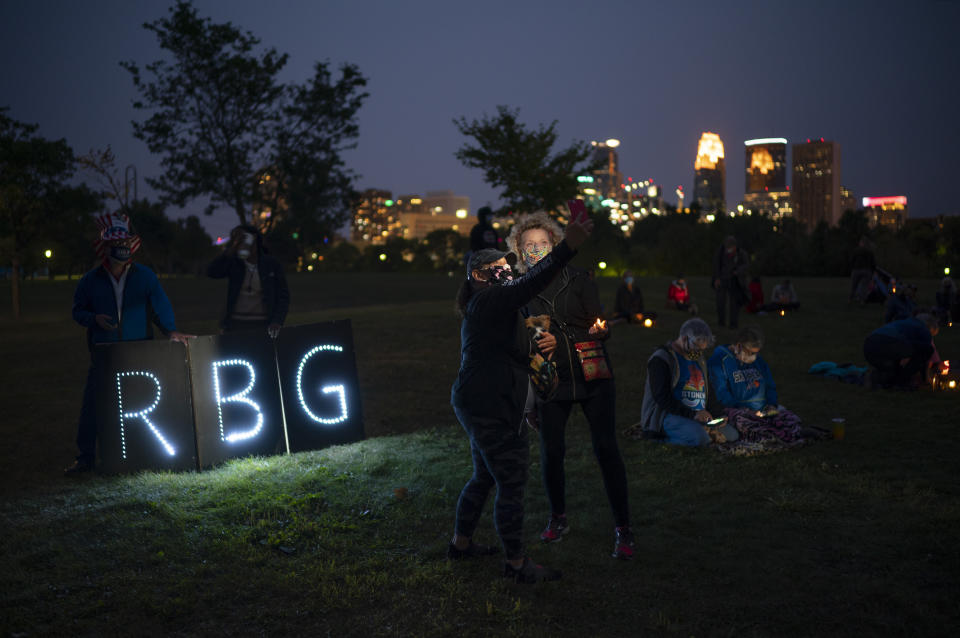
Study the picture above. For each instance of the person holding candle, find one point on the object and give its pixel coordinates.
(576, 343)
(491, 391)
(900, 353)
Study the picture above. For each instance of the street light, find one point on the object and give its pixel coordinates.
(48, 253)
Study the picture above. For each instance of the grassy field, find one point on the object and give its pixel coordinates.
(839, 538)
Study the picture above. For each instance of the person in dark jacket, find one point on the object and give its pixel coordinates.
(729, 280)
(899, 352)
(628, 304)
(901, 304)
(573, 304)
(117, 301)
(490, 395)
(257, 293)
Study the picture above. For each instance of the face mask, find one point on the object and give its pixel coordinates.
(746, 357)
(120, 253)
(243, 253)
(499, 275)
(531, 257)
(629, 280)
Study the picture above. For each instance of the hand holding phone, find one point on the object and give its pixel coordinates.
(580, 225)
(712, 423)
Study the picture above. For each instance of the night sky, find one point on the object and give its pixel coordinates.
(878, 77)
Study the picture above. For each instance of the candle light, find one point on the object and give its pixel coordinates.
(600, 324)
(783, 313)
(648, 322)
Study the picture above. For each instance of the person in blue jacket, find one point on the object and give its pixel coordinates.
(739, 376)
(899, 352)
(116, 301)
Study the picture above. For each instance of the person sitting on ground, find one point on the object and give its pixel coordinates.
(628, 305)
(756, 296)
(675, 394)
(678, 296)
(783, 297)
(743, 384)
(901, 304)
(899, 353)
(740, 377)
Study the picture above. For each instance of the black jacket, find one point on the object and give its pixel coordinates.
(276, 295)
(573, 302)
(493, 379)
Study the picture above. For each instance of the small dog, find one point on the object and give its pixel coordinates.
(539, 324)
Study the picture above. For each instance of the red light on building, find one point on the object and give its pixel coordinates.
(896, 200)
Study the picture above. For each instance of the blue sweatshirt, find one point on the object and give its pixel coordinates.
(144, 302)
(741, 385)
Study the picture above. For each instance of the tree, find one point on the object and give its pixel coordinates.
(228, 129)
(32, 173)
(520, 162)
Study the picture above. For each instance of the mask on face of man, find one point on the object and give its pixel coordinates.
(499, 275)
(246, 245)
(119, 253)
(628, 280)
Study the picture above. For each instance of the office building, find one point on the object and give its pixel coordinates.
(891, 212)
(709, 188)
(816, 182)
(766, 165)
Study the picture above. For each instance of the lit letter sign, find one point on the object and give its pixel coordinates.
(226, 396)
(144, 412)
(239, 397)
(326, 389)
(139, 414)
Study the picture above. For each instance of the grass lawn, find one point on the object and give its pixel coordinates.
(850, 538)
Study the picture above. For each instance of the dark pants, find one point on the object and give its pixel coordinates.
(729, 288)
(501, 457)
(885, 354)
(599, 410)
(87, 424)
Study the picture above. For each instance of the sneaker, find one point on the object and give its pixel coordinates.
(623, 546)
(555, 530)
(530, 573)
(473, 550)
(79, 467)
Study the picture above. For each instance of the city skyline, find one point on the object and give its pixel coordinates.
(866, 75)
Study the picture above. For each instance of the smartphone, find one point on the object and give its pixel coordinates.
(578, 210)
(715, 422)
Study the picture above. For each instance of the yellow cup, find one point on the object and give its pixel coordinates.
(839, 429)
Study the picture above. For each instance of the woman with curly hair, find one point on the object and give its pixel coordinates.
(575, 342)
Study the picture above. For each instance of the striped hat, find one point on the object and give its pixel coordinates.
(114, 226)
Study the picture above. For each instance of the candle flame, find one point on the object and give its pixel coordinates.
(648, 322)
(600, 324)
(783, 313)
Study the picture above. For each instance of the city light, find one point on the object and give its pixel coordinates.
(388, 203)
(383, 256)
(766, 140)
(585, 179)
(946, 271)
(709, 151)
(648, 323)
(612, 143)
(48, 253)
(602, 265)
(896, 200)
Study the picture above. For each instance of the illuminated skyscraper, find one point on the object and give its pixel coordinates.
(766, 189)
(766, 165)
(607, 178)
(816, 182)
(710, 174)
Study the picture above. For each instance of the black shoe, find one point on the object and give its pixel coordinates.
(530, 573)
(623, 546)
(473, 550)
(79, 466)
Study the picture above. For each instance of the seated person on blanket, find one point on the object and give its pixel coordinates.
(675, 394)
(740, 377)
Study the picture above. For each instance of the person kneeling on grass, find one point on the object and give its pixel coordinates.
(675, 394)
(900, 353)
(743, 384)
